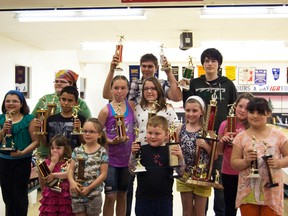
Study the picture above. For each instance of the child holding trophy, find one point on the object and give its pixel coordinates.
(260, 196)
(86, 187)
(235, 123)
(15, 166)
(152, 103)
(154, 188)
(118, 119)
(194, 197)
(57, 202)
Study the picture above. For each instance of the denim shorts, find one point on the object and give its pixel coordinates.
(117, 179)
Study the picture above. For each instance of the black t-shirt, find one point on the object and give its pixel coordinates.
(57, 124)
(157, 181)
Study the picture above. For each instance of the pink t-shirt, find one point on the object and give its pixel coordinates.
(273, 197)
(226, 165)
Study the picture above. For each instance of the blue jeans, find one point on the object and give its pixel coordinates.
(162, 207)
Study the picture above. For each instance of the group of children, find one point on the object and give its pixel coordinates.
(110, 159)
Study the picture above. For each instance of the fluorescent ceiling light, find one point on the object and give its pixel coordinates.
(244, 12)
(246, 44)
(80, 15)
(126, 44)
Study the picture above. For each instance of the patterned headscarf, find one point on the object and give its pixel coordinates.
(68, 75)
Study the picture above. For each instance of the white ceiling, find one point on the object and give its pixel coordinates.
(163, 25)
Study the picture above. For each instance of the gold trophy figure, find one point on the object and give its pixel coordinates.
(162, 60)
(139, 167)
(51, 106)
(152, 111)
(42, 117)
(81, 166)
(266, 156)
(254, 172)
(120, 125)
(45, 172)
(204, 178)
(77, 130)
(118, 52)
(231, 122)
(173, 159)
(187, 74)
(8, 135)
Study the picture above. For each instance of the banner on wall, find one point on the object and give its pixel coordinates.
(231, 72)
(260, 77)
(246, 75)
(276, 73)
(134, 72)
(201, 70)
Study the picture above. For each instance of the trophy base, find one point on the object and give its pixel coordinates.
(118, 69)
(205, 183)
(140, 169)
(76, 133)
(53, 183)
(121, 139)
(254, 176)
(270, 185)
(7, 149)
(79, 180)
(40, 133)
(56, 189)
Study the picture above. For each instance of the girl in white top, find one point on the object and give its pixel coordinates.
(152, 100)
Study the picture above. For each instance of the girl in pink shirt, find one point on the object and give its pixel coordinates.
(229, 175)
(254, 196)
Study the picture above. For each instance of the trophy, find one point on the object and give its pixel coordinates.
(152, 111)
(45, 171)
(81, 165)
(139, 167)
(254, 172)
(173, 159)
(51, 106)
(162, 60)
(76, 130)
(41, 115)
(187, 74)
(231, 122)
(120, 125)
(118, 52)
(266, 156)
(202, 171)
(8, 136)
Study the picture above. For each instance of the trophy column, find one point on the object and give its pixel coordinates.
(120, 125)
(7, 143)
(77, 130)
(187, 74)
(266, 156)
(118, 52)
(254, 172)
(42, 116)
(139, 167)
(202, 171)
(162, 60)
(80, 177)
(231, 122)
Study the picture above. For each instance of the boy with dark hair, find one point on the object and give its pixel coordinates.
(206, 85)
(64, 122)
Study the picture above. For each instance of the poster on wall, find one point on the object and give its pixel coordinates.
(260, 77)
(175, 71)
(246, 75)
(231, 72)
(134, 72)
(276, 73)
(201, 70)
(21, 79)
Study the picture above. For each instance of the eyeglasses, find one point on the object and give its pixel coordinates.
(89, 132)
(12, 101)
(151, 89)
(60, 82)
